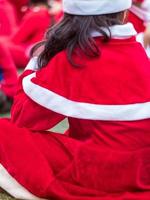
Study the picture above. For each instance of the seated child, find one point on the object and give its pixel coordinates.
(8, 23)
(8, 79)
(31, 30)
(139, 15)
(92, 71)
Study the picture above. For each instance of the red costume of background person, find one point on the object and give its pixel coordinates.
(31, 30)
(7, 18)
(18, 5)
(8, 80)
(137, 17)
(9, 73)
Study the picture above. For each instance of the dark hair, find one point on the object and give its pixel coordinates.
(74, 32)
(38, 2)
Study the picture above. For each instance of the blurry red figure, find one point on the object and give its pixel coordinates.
(18, 6)
(139, 15)
(8, 79)
(136, 16)
(7, 18)
(31, 30)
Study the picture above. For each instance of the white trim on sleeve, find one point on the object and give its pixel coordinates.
(141, 13)
(69, 108)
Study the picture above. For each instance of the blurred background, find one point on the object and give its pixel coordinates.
(23, 23)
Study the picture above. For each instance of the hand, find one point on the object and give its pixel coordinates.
(147, 36)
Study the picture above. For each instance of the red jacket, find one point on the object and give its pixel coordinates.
(7, 18)
(107, 103)
(9, 72)
(106, 155)
(18, 4)
(139, 15)
(33, 26)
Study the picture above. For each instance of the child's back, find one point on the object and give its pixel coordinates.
(101, 84)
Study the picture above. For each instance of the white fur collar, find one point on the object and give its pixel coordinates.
(119, 31)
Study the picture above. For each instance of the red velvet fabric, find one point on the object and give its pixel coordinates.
(9, 72)
(18, 4)
(137, 22)
(7, 19)
(31, 30)
(96, 160)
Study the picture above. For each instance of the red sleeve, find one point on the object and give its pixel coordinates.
(7, 19)
(27, 29)
(138, 1)
(27, 113)
(8, 85)
(18, 4)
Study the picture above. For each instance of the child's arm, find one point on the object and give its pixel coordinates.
(27, 113)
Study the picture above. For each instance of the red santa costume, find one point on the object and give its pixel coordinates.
(106, 154)
(29, 33)
(18, 5)
(139, 15)
(9, 72)
(7, 18)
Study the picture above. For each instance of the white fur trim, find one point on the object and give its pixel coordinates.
(66, 107)
(32, 65)
(143, 14)
(10, 185)
(119, 31)
(95, 7)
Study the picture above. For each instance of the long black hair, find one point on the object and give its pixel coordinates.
(38, 2)
(74, 32)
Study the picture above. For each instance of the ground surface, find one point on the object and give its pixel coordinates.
(5, 197)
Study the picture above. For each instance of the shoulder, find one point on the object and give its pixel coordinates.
(60, 60)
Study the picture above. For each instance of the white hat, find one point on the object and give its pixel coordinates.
(95, 7)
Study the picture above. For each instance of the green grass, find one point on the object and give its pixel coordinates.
(61, 127)
(4, 115)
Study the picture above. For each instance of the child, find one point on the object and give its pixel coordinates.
(7, 18)
(93, 72)
(8, 79)
(31, 30)
(140, 16)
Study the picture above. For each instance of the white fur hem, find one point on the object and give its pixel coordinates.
(10, 185)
